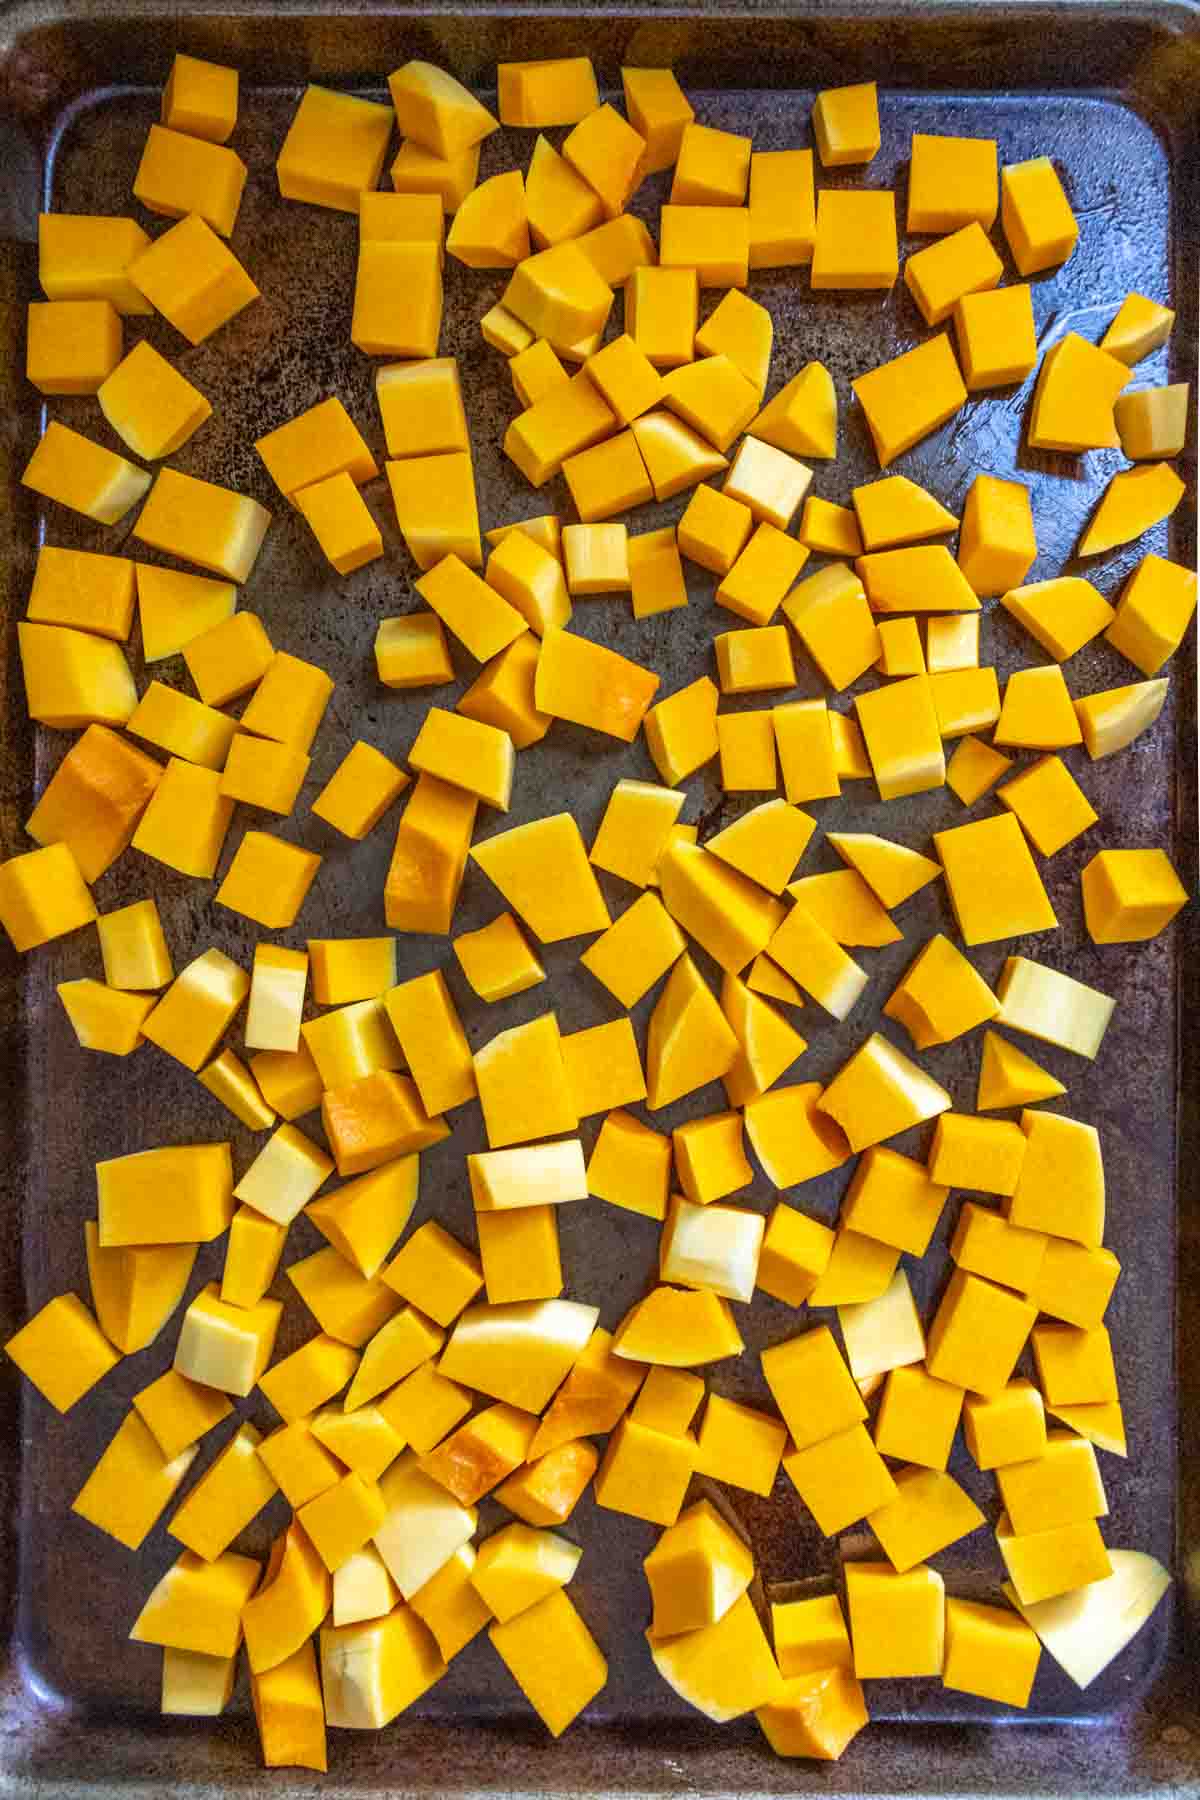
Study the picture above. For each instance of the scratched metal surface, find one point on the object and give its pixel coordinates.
(77, 1593)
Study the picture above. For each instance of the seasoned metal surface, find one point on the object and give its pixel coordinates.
(75, 1681)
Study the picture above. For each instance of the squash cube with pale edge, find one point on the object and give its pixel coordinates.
(223, 1346)
(193, 279)
(900, 728)
(879, 1092)
(518, 1353)
(375, 1670)
(83, 475)
(334, 149)
(195, 1685)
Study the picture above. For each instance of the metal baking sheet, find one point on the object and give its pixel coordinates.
(1105, 92)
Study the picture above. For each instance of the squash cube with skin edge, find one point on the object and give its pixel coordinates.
(939, 276)
(375, 1119)
(268, 880)
(371, 1672)
(713, 1247)
(397, 299)
(334, 149)
(62, 1351)
(1036, 215)
(645, 1473)
(232, 1491)
(192, 278)
(202, 523)
(150, 405)
(230, 1081)
(84, 476)
(85, 256)
(977, 1334)
(491, 229)
(840, 1479)
(681, 1328)
(830, 616)
(989, 1653)
(928, 1512)
(1140, 326)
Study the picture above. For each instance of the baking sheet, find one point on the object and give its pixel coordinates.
(76, 1592)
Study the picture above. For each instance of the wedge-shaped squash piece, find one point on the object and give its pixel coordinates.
(768, 1045)
(371, 1672)
(723, 910)
(430, 857)
(1134, 500)
(1084, 1631)
(802, 416)
(791, 1137)
(879, 1092)
(1063, 614)
(135, 1289)
(725, 1669)
(806, 951)
(896, 511)
(198, 1605)
(520, 1352)
(290, 1604)
(397, 1348)
(1007, 1077)
(436, 111)
(1073, 401)
(130, 1189)
(423, 1526)
(894, 872)
(543, 872)
(591, 685)
(679, 1328)
(690, 1042)
(941, 996)
(490, 229)
(919, 578)
(131, 1484)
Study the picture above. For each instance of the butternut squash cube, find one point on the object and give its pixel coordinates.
(855, 243)
(375, 1670)
(491, 229)
(596, 557)
(416, 170)
(846, 124)
(497, 961)
(609, 154)
(200, 98)
(714, 241)
(977, 1334)
(202, 523)
(1153, 612)
(952, 180)
(308, 1377)
(429, 857)
(1045, 1564)
(547, 1490)
(180, 175)
(197, 1605)
(928, 1512)
(195, 1685)
(133, 947)
(342, 1520)
(989, 1653)
(71, 346)
(879, 1092)
(918, 1417)
(1130, 895)
(910, 396)
(690, 1042)
(557, 293)
(83, 256)
(334, 149)
(679, 1328)
(553, 1658)
(973, 769)
(1153, 422)
(699, 1568)
(994, 886)
(645, 1473)
(518, 1353)
(1133, 502)
(802, 417)
(362, 1587)
(268, 880)
(897, 1621)
(840, 1479)
(231, 1492)
(1036, 215)
(818, 1715)
(746, 743)
(376, 1118)
(449, 1604)
(998, 545)
(795, 1253)
(397, 299)
(341, 523)
(83, 475)
(1140, 326)
(609, 478)
(1073, 401)
(997, 340)
(193, 279)
(595, 1394)
(93, 802)
(830, 615)
(762, 574)
(519, 1253)
(436, 111)
(345, 1305)
(135, 1289)
(225, 1346)
(251, 1256)
(62, 1351)
(661, 305)
(129, 1190)
(939, 276)
(630, 1166)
